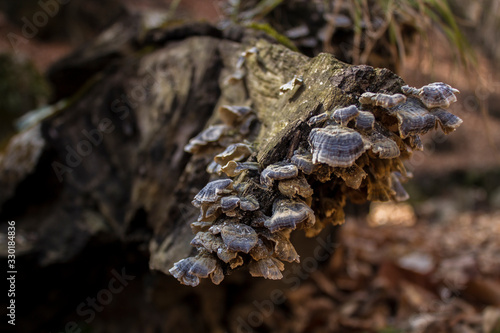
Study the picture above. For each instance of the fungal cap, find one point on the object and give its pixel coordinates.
(269, 268)
(383, 100)
(232, 115)
(336, 146)
(378, 190)
(353, 176)
(407, 90)
(200, 226)
(400, 193)
(180, 271)
(288, 214)
(189, 270)
(224, 254)
(304, 163)
(232, 168)
(217, 276)
(366, 98)
(295, 186)
(413, 118)
(318, 119)
(236, 262)
(212, 191)
(277, 172)
(438, 94)
(283, 248)
(261, 250)
(292, 84)
(213, 167)
(365, 120)
(204, 240)
(239, 237)
(249, 203)
(203, 265)
(210, 135)
(344, 115)
(389, 101)
(447, 121)
(235, 152)
(229, 203)
(381, 143)
(415, 142)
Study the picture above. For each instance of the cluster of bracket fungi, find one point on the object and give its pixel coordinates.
(353, 152)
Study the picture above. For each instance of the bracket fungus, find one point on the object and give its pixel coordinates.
(235, 152)
(448, 121)
(336, 146)
(278, 172)
(212, 192)
(303, 161)
(189, 271)
(269, 268)
(413, 118)
(383, 100)
(233, 115)
(295, 186)
(434, 95)
(365, 120)
(344, 115)
(208, 137)
(297, 167)
(232, 168)
(239, 237)
(292, 85)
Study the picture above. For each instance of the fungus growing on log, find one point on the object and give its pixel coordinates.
(295, 167)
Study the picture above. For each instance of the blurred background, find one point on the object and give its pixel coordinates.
(431, 264)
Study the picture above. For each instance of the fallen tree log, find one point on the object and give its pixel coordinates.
(110, 164)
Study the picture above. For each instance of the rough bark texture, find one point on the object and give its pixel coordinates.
(108, 174)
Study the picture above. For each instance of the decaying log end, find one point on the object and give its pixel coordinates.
(321, 132)
(262, 140)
